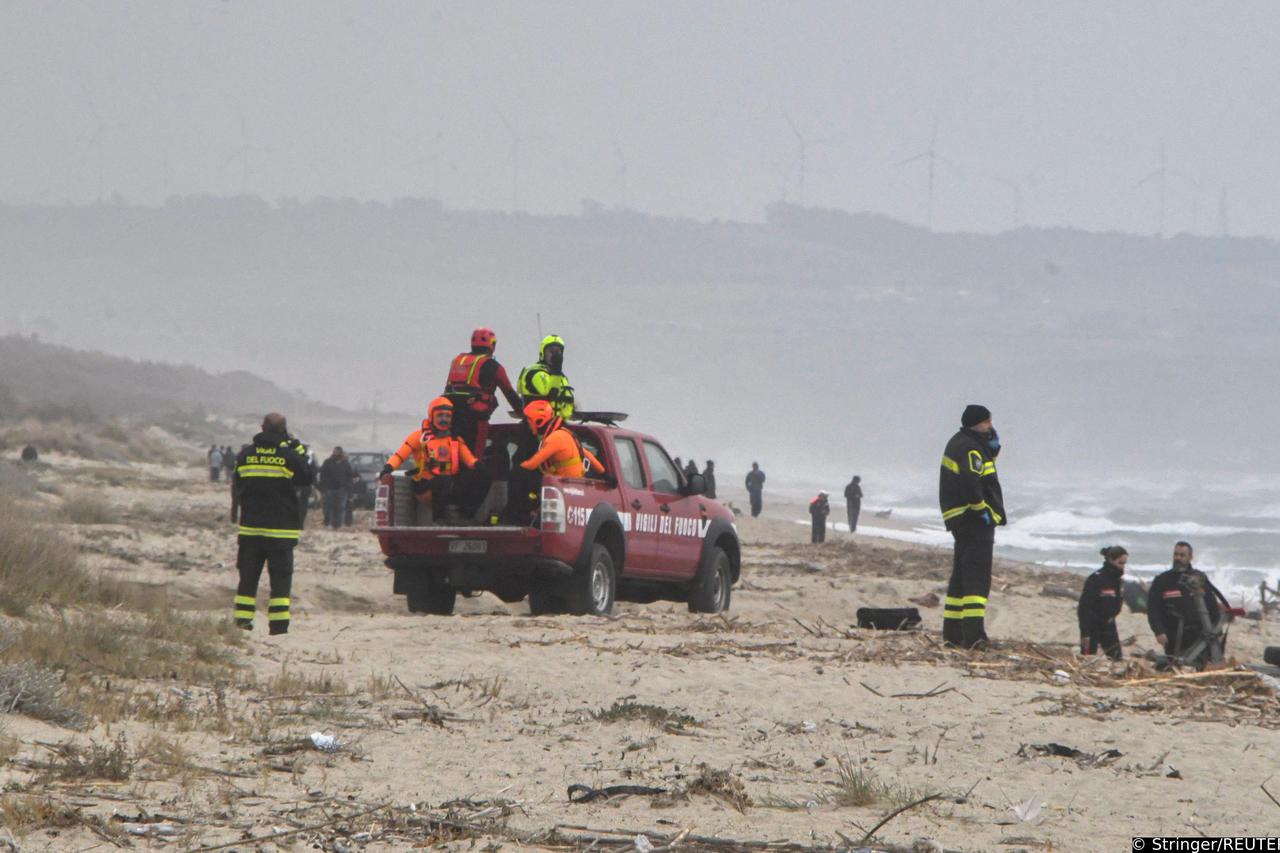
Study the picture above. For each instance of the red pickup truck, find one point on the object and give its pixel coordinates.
(638, 532)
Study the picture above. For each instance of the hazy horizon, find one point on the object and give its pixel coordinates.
(1045, 114)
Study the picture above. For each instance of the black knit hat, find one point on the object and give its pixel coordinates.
(974, 414)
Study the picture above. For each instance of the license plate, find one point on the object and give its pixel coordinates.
(468, 546)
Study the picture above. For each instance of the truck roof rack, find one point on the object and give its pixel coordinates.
(606, 418)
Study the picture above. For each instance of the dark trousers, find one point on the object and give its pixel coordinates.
(854, 509)
(214, 471)
(964, 618)
(1104, 638)
(277, 555)
(819, 532)
(466, 491)
(522, 486)
(335, 508)
(757, 503)
(471, 427)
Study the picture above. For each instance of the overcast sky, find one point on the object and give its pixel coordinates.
(1045, 113)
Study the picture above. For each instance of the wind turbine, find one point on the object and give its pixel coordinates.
(1162, 175)
(620, 173)
(437, 160)
(1016, 187)
(513, 158)
(95, 143)
(242, 153)
(802, 155)
(931, 156)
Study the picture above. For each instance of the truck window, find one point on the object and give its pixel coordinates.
(629, 461)
(665, 478)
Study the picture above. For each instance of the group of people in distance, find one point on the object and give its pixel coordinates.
(448, 470)
(820, 508)
(1178, 602)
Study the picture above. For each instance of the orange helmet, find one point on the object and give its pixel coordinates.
(438, 406)
(484, 338)
(541, 417)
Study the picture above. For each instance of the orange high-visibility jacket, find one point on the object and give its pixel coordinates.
(435, 456)
(562, 455)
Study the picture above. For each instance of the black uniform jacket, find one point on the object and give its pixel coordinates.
(268, 473)
(1169, 605)
(1101, 600)
(968, 487)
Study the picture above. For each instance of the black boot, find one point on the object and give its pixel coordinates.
(973, 633)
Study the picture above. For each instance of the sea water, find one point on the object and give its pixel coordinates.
(1062, 522)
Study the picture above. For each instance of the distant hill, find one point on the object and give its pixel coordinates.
(95, 385)
(819, 341)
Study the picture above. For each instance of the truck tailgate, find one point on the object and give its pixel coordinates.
(477, 542)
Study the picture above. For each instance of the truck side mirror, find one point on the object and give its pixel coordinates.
(697, 485)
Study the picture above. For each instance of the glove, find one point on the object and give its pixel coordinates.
(986, 518)
(480, 468)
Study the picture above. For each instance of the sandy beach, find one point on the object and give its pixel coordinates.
(778, 722)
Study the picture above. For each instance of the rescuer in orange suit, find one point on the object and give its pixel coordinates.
(474, 379)
(559, 451)
(438, 457)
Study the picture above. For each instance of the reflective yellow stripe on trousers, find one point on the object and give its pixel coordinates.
(269, 532)
(242, 602)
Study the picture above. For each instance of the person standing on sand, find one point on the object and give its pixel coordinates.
(336, 475)
(755, 489)
(709, 475)
(972, 504)
(853, 501)
(215, 462)
(819, 509)
(268, 473)
(1100, 604)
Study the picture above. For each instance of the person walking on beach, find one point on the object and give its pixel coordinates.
(215, 462)
(755, 489)
(819, 509)
(972, 504)
(853, 501)
(1100, 604)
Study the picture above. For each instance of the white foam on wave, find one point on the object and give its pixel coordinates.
(1009, 537)
(1063, 523)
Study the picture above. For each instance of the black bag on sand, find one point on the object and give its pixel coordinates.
(889, 618)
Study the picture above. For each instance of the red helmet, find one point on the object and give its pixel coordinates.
(541, 417)
(484, 338)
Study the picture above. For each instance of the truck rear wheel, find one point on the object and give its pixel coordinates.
(712, 589)
(594, 590)
(430, 596)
